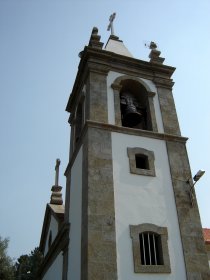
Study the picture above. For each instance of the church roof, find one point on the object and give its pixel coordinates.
(115, 45)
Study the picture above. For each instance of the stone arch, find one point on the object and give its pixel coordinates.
(148, 112)
(118, 80)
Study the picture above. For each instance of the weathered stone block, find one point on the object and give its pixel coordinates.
(168, 111)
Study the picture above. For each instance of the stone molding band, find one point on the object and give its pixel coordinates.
(119, 129)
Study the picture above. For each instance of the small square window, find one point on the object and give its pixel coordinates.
(141, 161)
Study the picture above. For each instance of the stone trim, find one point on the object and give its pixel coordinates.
(59, 217)
(135, 230)
(76, 150)
(132, 152)
(96, 105)
(118, 81)
(94, 67)
(67, 198)
(74, 115)
(65, 264)
(84, 218)
(121, 129)
(168, 111)
(116, 86)
(59, 244)
(98, 242)
(165, 83)
(152, 110)
(196, 263)
(151, 93)
(121, 64)
(49, 241)
(137, 132)
(45, 230)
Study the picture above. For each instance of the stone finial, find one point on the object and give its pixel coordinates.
(95, 39)
(56, 196)
(155, 54)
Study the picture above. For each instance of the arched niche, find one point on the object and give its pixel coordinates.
(133, 100)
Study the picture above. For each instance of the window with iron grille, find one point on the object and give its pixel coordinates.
(150, 248)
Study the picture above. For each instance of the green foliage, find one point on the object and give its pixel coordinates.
(6, 264)
(27, 266)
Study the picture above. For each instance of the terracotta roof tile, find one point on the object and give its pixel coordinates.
(206, 235)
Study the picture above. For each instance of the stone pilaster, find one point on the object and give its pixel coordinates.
(188, 216)
(168, 111)
(98, 213)
(116, 89)
(152, 110)
(96, 105)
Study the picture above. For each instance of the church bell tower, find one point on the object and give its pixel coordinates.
(128, 196)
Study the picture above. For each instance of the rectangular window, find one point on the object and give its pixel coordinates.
(150, 248)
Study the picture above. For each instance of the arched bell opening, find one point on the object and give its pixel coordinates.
(134, 105)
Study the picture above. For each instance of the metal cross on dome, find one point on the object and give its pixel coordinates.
(110, 26)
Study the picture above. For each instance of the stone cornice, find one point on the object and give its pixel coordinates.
(163, 82)
(121, 129)
(137, 132)
(101, 61)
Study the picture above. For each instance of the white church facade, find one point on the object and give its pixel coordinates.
(128, 212)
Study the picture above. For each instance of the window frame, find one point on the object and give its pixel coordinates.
(133, 152)
(135, 231)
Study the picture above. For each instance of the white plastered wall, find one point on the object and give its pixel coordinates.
(75, 216)
(53, 228)
(110, 97)
(144, 199)
(55, 270)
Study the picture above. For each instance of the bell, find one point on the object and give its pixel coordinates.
(131, 116)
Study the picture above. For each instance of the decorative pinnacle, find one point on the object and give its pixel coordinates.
(155, 54)
(153, 46)
(95, 39)
(56, 196)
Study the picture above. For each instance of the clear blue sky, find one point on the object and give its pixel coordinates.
(40, 42)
